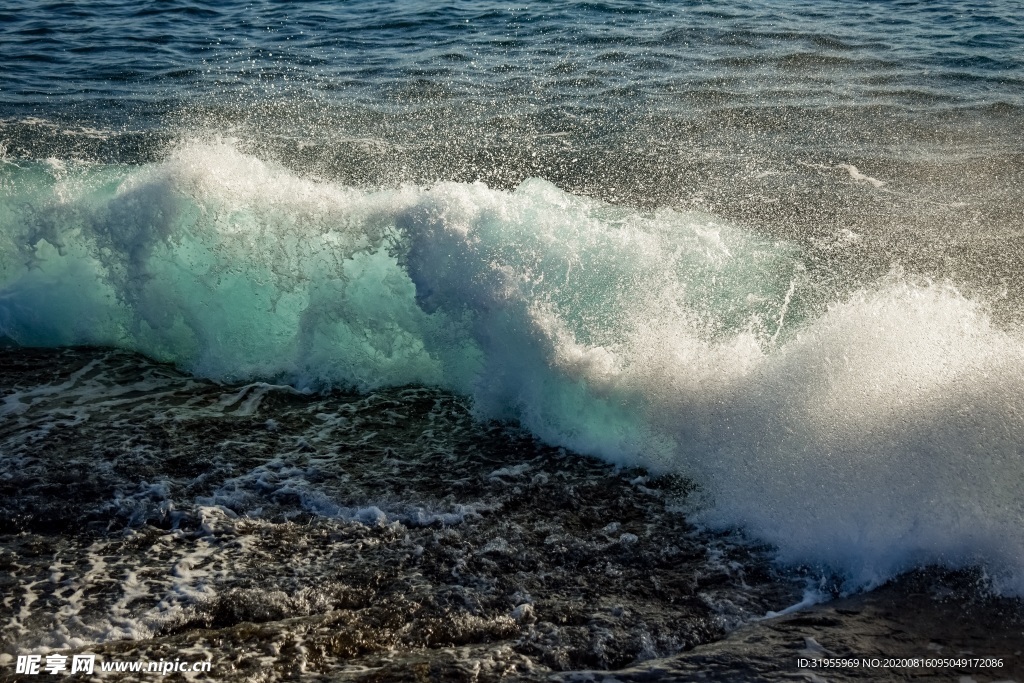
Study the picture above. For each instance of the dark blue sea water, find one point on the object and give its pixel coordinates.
(109, 58)
(769, 252)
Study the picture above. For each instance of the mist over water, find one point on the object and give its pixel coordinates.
(868, 434)
(775, 248)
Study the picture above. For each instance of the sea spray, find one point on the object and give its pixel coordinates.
(868, 432)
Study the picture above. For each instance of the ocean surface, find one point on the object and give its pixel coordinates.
(484, 340)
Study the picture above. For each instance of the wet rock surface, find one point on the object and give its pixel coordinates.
(148, 516)
(900, 629)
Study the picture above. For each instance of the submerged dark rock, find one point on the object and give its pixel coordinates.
(316, 533)
(150, 516)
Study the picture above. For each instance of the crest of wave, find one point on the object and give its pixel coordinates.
(879, 434)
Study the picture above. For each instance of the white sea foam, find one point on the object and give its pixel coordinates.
(882, 433)
(855, 174)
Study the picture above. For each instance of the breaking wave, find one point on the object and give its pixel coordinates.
(869, 432)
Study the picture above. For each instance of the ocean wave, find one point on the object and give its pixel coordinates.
(869, 432)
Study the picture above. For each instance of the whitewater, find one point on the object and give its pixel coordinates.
(863, 430)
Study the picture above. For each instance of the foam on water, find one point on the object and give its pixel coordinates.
(869, 432)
